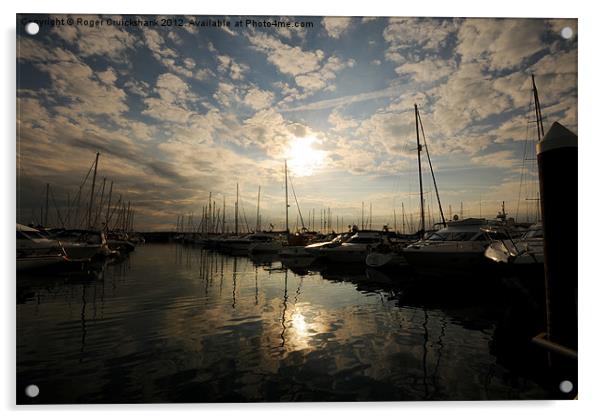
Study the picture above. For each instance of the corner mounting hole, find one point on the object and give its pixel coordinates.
(566, 386)
(32, 28)
(566, 32)
(32, 390)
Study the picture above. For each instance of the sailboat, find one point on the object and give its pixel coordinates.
(529, 248)
(393, 255)
(457, 245)
(295, 243)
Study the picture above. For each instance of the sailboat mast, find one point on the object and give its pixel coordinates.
(422, 229)
(362, 215)
(540, 132)
(46, 212)
(428, 156)
(109, 207)
(286, 195)
(257, 226)
(92, 192)
(209, 216)
(403, 219)
(224, 215)
(236, 212)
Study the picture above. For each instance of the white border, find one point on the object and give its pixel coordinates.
(590, 277)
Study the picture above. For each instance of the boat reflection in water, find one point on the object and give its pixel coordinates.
(183, 324)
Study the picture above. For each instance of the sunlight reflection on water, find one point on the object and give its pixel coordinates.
(174, 323)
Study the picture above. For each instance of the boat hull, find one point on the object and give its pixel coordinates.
(38, 262)
(345, 254)
(78, 252)
(269, 247)
(442, 261)
(294, 252)
(385, 260)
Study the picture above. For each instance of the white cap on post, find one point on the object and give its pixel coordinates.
(557, 137)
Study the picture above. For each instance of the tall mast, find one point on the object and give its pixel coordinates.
(236, 212)
(109, 207)
(92, 192)
(126, 223)
(68, 216)
(286, 194)
(428, 156)
(257, 226)
(102, 200)
(214, 219)
(362, 223)
(209, 216)
(46, 212)
(422, 229)
(224, 215)
(403, 219)
(540, 132)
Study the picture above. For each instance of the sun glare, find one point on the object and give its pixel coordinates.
(304, 159)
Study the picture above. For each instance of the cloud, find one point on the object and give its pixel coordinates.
(340, 122)
(169, 58)
(167, 140)
(346, 100)
(502, 43)
(504, 159)
(258, 99)
(83, 90)
(336, 26)
(406, 34)
(227, 65)
(321, 79)
(228, 94)
(104, 41)
(137, 87)
(171, 102)
(189, 63)
(291, 60)
(427, 70)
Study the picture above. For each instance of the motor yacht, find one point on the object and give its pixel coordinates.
(460, 246)
(353, 250)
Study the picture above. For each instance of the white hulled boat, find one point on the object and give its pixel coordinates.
(526, 250)
(353, 250)
(460, 246)
(36, 251)
(82, 245)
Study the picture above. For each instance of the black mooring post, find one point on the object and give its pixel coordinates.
(557, 162)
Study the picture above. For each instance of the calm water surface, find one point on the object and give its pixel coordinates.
(183, 324)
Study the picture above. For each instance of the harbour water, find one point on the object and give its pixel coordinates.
(172, 323)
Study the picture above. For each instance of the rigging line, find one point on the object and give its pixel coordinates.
(58, 213)
(432, 172)
(101, 203)
(244, 216)
(523, 169)
(296, 202)
(117, 205)
(87, 175)
(77, 197)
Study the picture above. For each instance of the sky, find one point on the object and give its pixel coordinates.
(178, 112)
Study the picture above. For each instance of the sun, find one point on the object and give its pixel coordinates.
(303, 158)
